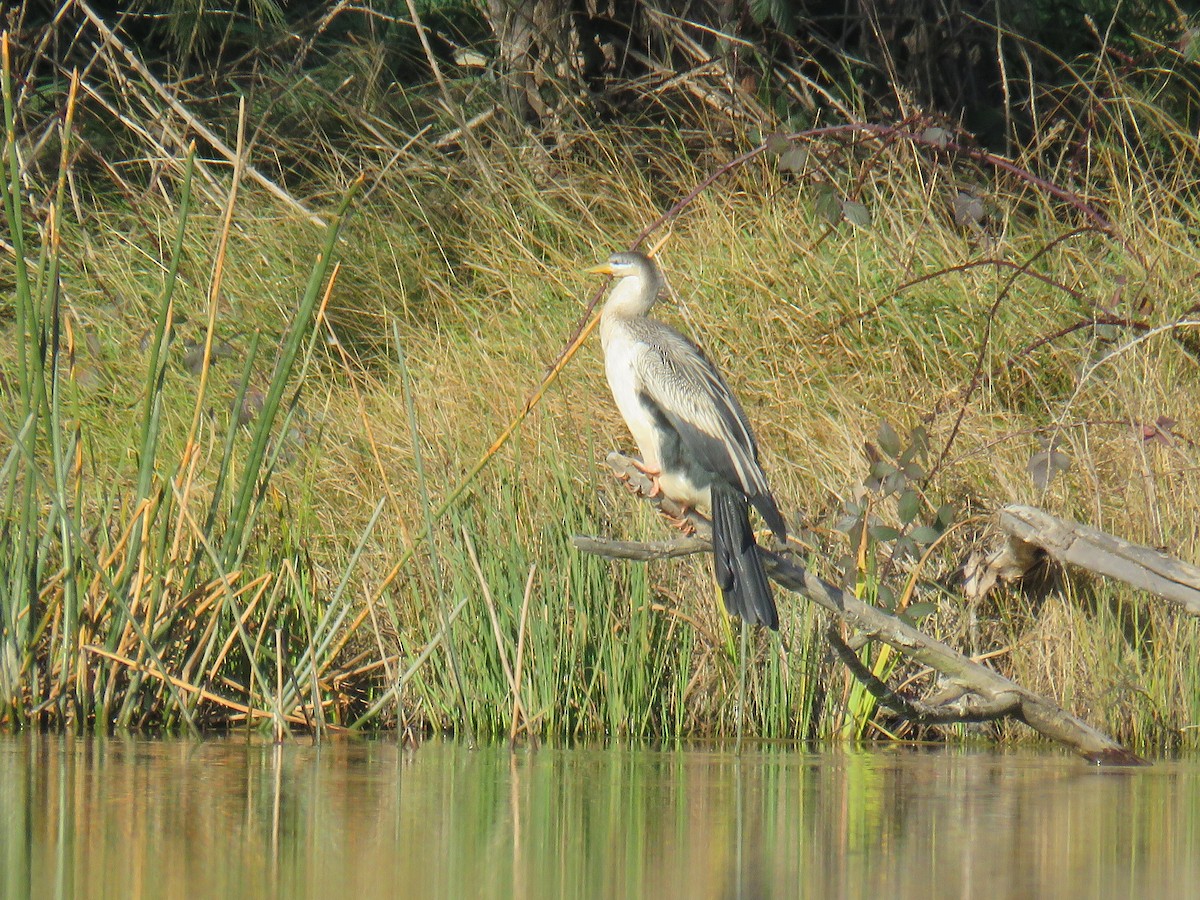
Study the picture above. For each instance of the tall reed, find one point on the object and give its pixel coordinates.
(123, 607)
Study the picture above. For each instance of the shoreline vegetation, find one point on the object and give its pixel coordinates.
(297, 430)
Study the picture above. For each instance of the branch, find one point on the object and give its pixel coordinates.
(963, 706)
(985, 694)
(1071, 543)
(109, 37)
(641, 551)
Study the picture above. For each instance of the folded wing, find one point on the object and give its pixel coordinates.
(688, 392)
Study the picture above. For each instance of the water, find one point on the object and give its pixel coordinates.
(360, 819)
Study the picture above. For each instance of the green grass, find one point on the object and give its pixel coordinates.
(340, 559)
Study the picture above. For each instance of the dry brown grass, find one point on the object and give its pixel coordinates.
(474, 264)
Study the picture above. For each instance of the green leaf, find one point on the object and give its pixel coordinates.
(889, 441)
(883, 532)
(826, 204)
(777, 11)
(968, 210)
(919, 611)
(925, 535)
(881, 468)
(945, 515)
(846, 524)
(894, 483)
(777, 144)
(1190, 45)
(856, 213)
(885, 597)
(793, 159)
(909, 506)
(920, 441)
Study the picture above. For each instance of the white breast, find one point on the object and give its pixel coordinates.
(621, 351)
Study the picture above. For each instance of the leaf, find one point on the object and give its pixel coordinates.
(846, 524)
(794, 159)
(889, 441)
(908, 507)
(885, 597)
(936, 136)
(882, 469)
(827, 205)
(1045, 464)
(1189, 45)
(925, 535)
(920, 442)
(777, 11)
(945, 515)
(883, 533)
(969, 211)
(777, 144)
(919, 611)
(193, 357)
(895, 482)
(904, 549)
(469, 58)
(856, 213)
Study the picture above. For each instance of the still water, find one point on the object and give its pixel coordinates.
(360, 819)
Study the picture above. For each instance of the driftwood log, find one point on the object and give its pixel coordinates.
(976, 694)
(1068, 543)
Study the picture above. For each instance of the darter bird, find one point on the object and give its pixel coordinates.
(695, 441)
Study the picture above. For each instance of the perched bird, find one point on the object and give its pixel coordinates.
(693, 436)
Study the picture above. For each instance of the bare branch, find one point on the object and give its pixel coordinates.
(1071, 543)
(110, 38)
(640, 551)
(983, 693)
(962, 706)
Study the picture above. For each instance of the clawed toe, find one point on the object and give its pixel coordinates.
(651, 473)
(682, 522)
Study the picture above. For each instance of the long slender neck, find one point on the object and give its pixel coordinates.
(632, 296)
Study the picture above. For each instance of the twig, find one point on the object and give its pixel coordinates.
(192, 120)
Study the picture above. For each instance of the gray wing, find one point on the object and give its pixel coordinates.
(689, 392)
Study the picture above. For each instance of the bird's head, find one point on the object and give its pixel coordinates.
(637, 283)
(625, 264)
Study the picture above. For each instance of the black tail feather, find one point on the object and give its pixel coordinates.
(736, 561)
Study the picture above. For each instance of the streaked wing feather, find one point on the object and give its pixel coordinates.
(689, 390)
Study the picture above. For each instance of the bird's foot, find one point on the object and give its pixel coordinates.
(681, 521)
(650, 472)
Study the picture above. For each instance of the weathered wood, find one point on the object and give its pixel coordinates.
(1071, 543)
(981, 693)
(960, 705)
(641, 551)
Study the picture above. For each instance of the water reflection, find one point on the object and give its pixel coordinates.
(227, 818)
